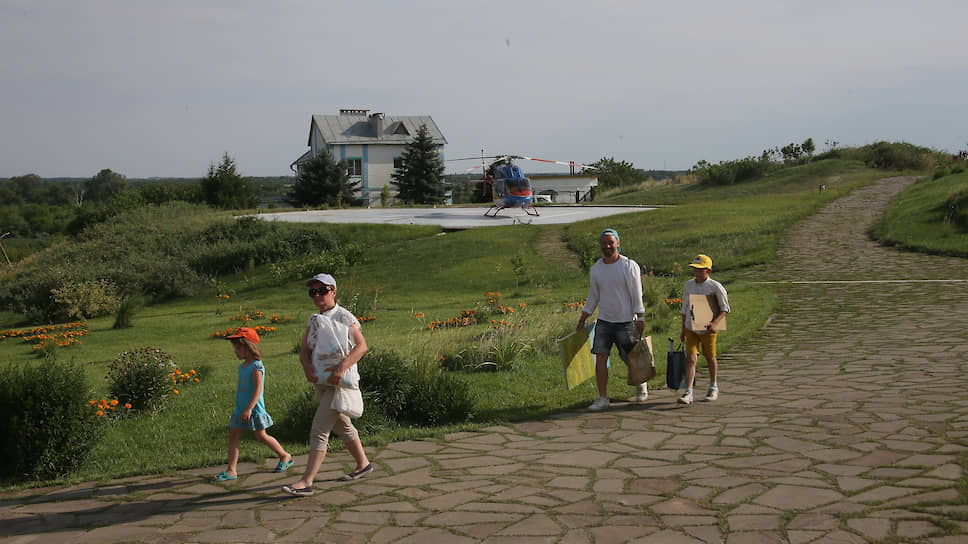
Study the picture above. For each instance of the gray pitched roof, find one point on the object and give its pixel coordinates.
(357, 129)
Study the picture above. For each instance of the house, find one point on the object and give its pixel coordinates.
(563, 188)
(372, 145)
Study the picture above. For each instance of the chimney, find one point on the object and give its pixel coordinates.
(376, 121)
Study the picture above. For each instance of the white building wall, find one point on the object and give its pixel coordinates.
(380, 169)
(564, 187)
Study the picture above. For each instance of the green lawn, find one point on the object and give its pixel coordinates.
(916, 218)
(436, 275)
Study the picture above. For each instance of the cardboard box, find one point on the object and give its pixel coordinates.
(704, 308)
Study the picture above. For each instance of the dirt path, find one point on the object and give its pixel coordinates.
(553, 249)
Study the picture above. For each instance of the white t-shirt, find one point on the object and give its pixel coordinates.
(616, 289)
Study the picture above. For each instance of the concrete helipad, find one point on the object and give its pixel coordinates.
(452, 217)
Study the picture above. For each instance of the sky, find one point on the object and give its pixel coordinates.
(164, 89)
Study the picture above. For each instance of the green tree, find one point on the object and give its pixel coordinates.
(420, 179)
(104, 185)
(612, 173)
(808, 147)
(27, 187)
(323, 181)
(223, 187)
(791, 152)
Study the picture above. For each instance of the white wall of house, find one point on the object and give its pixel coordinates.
(380, 169)
(563, 188)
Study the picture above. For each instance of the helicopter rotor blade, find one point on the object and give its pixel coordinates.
(474, 158)
(557, 162)
(485, 165)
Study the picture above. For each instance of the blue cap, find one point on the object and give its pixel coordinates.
(611, 232)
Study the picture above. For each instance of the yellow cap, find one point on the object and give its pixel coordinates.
(702, 261)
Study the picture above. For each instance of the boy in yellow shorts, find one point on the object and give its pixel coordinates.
(701, 284)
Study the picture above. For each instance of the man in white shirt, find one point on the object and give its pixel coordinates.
(615, 287)
(701, 284)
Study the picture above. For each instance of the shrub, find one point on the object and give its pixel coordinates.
(142, 377)
(897, 156)
(87, 298)
(125, 314)
(168, 251)
(730, 172)
(412, 394)
(499, 351)
(395, 392)
(385, 376)
(48, 427)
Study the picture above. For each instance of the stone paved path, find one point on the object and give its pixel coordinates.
(845, 419)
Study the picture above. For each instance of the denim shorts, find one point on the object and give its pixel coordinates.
(619, 334)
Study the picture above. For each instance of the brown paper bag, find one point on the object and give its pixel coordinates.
(640, 361)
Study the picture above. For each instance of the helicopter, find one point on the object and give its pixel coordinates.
(510, 188)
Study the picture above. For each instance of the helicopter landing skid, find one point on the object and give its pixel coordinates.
(494, 210)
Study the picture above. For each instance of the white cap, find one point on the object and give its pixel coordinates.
(324, 279)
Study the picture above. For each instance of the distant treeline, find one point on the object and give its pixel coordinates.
(35, 207)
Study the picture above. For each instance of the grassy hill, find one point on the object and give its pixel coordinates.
(406, 278)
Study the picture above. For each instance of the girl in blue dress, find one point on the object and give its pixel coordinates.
(250, 410)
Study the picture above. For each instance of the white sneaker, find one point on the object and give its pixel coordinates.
(686, 398)
(713, 393)
(643, 392)
(601, 403)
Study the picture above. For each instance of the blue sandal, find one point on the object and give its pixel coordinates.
(283, 466)
(224, 477)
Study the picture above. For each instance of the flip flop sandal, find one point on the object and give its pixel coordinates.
(224, 477)
(283, 466)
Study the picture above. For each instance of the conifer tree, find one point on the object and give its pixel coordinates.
(420, 180)
(323, 181)
(223, 187)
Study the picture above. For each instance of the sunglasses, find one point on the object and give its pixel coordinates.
(319, 291)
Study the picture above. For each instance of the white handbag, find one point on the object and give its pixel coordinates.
(348, 401)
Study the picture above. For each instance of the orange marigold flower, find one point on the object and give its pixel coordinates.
(175, 391)
(127, 405)
(99, 413)
(114, 402)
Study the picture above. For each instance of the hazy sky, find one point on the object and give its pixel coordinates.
(163, 88)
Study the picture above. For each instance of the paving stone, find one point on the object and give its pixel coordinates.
(871, 528)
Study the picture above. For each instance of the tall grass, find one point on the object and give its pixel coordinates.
(738, 225)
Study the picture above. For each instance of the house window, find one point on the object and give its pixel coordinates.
(354, 167)
(397, 163)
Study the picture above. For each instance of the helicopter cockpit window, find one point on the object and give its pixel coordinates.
(519, 187)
